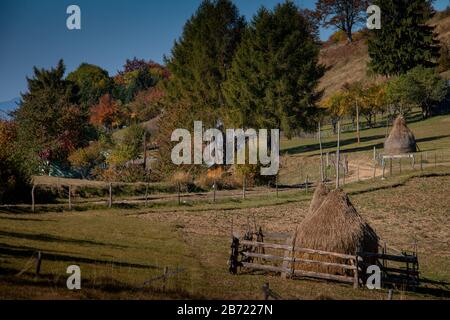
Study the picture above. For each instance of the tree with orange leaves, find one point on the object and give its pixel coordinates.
(106, 113)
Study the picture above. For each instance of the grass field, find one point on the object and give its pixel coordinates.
(119, 249)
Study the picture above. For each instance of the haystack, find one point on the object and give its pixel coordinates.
(335, 226)
(319, 196)
(401, 140)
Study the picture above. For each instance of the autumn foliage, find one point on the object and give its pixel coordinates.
(106, 113)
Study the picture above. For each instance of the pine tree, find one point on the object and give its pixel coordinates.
(404, 40)
(202, 56)
(275, 72)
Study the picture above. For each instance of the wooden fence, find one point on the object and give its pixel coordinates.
(251, 252)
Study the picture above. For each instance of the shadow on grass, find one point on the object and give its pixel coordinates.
(346, 142)
(441, 290)
(332, 144)
(50, 238)
(26, 219)
(103, 285)
(26, 252)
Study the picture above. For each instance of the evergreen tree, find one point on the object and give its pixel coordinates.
(404, 40)
(202, 56)
(275, 72)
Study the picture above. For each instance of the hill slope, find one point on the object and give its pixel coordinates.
(348, 62)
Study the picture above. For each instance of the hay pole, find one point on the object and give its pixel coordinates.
(321, 153)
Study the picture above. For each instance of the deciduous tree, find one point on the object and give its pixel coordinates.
(344, 15)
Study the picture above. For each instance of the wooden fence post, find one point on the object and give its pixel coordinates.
(276, 184)
(214, 191)
(110, 196)
(356, 271)
(70, 197)
(357, 172)
(390, 294)
(32, 198)
(166, 271)
(266, 291)
(383, 164)
(374, 170)
(146, 194)
(179, 193)
(38, 263)
(244, 182)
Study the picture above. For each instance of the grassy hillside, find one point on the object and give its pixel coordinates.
(348, 62)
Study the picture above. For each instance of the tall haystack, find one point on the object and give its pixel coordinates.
(401, 140)
(319, 196)
(335, 226)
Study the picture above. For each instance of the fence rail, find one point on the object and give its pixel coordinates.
(250, 254)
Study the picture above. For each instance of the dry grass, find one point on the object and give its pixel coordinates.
(348, 62)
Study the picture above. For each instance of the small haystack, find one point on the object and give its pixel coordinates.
(319, 196)
(335, 226)
(401, 140)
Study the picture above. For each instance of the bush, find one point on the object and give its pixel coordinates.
(84, 160)
(14, 177)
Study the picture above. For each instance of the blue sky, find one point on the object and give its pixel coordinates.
(34, 33)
